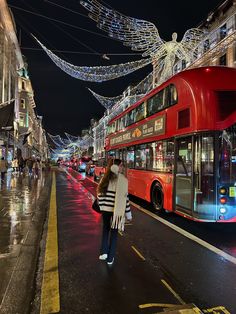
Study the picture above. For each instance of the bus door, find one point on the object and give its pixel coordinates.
(183, 187)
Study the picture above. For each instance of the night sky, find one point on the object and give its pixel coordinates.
(64, 102)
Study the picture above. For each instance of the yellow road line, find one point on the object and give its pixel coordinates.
(163, 305)
(50, 298)
(172, 291)
(138, 253)
(218, 309)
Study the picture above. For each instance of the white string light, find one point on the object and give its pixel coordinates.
(106, 102)
(96, 73)
(72, 138)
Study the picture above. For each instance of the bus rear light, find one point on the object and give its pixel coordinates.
(223, 190)
(223, 200)
(222, 210)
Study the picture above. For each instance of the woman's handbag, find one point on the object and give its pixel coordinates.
(95, 206)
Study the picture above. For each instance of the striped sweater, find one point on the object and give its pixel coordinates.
(107, 201)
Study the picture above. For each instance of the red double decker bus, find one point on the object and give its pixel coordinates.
(179, 144)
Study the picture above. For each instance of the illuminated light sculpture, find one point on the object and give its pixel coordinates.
(72, 138)
(142, 35)
(106, 102)
(95, 73)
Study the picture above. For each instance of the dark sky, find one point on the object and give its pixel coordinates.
(64, 102)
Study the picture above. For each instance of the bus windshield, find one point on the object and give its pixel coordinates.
(227, 168)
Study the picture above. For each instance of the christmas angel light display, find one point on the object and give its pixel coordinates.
(138, 34)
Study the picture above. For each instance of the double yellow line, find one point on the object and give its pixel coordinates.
(50, 297)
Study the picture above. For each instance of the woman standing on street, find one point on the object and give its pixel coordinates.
(114, 204)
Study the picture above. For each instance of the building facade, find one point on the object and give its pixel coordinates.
(21, 131)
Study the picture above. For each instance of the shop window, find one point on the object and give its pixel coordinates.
(23, 85)
(223, 31)
(22, 121)
(206, 45)
(223, 60)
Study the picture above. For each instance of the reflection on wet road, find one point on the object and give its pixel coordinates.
(18, 201)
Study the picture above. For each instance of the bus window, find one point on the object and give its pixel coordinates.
(140, 157)
(169, 156)
(184, 160)
(150, 155)
(139, 113)
(130, 117)
(155, 103)
(171, 97)
(164, 154)
(204, 175)
(130, 157)
(228, 156)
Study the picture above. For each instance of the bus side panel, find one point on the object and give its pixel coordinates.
(140, 184)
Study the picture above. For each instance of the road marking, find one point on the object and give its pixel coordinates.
(50, 297)
(175, 294)
(192, 237)
(138, 253)
(217, 310)
(163, 305)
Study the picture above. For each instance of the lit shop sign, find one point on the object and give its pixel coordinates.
(152, 127)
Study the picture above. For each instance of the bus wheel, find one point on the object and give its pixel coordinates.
(157, 196)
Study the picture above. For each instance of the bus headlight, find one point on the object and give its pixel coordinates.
(222, 210)
(223, 190)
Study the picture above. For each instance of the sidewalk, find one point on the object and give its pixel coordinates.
(23, 205)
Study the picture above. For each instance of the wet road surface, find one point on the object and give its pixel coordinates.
(170, 261)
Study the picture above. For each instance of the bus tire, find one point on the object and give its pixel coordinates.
(157, 196)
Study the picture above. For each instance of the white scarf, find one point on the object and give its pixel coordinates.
(118, 220)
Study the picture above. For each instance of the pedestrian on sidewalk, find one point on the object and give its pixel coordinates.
(30, 164)
(36, 167)
(113, 200)
(15, 165)
(3, 168)
(21, 164)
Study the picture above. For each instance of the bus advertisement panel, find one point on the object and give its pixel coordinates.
(179, 144)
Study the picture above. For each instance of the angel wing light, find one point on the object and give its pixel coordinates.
(96, 73)
(143, 36)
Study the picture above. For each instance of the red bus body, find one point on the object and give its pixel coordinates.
(182, 156)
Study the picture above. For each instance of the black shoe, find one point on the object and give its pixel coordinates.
(110, 262)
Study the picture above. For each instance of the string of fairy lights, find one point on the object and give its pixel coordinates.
(106, 102)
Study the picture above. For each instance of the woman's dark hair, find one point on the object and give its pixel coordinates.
(108, 176)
